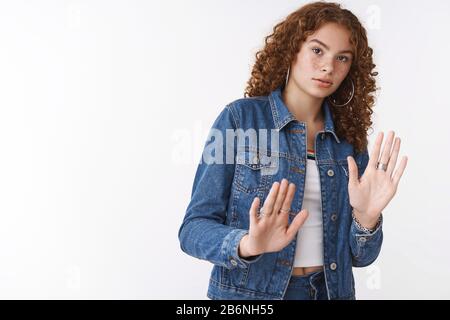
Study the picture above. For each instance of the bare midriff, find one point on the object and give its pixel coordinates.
(300, 271)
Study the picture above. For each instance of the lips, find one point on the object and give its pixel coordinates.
(324, 80)
(322, 84)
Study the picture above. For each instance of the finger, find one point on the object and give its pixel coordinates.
(254, 211)
(297, 223)
(352, 171)
(387, 148)
(270, 200)
(399, 172)
(375, 154)
(394, 156)
(286, 206)
(281, 196)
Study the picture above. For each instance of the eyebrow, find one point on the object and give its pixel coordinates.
(328, 48)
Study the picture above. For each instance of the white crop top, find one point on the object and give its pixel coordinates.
(309, 249)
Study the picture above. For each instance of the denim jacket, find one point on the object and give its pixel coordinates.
(217, 216)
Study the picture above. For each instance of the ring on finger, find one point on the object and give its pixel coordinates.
(381, 166)
(284, 210)
(261, 213)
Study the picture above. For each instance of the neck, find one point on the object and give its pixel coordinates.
(304, 107)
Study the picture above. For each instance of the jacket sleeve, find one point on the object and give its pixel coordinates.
(365, 246)
(203, 233)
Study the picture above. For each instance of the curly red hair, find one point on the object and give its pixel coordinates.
(353, 120)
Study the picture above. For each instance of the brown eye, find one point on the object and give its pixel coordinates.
(316, 50)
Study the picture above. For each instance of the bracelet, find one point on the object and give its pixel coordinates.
(362, 228)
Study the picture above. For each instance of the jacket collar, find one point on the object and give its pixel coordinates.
(282, 116)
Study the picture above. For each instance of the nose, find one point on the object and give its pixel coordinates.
(327, 67)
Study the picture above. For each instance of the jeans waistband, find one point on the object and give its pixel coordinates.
(307, 279)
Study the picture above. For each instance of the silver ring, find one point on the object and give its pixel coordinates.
(381, 166)
(261, 213)
(284, 210)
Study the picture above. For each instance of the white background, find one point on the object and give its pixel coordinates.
(105, 106)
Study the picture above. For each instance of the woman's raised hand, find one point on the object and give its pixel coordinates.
(370, 194)
(269, 230)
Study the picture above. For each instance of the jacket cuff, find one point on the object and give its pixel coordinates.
(230, 250)
(363, 235)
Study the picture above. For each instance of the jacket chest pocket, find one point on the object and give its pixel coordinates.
(254, 172)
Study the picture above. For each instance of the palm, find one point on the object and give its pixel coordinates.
(373, 192)
(270, 231)
(273, 237)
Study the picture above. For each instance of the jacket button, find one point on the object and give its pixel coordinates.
(255, 159)
(333, 217)
(333, 266)
(330, 173)
(233, 262)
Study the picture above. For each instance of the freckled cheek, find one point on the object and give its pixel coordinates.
(303, 67)
(341, 72)
(314, 63)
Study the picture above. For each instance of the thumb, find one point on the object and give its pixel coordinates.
(353, 171)
(297, 223)
(254, 211)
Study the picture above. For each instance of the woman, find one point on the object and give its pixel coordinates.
(288, 214)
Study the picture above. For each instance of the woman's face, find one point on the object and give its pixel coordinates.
(326, 54)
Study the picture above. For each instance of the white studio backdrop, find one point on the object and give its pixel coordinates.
(105, 106)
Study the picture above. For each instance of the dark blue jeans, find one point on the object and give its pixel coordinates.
(307, 287)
